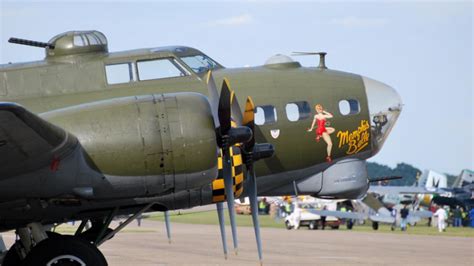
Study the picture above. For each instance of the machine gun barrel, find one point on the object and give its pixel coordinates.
(385, 178)
(30, 43)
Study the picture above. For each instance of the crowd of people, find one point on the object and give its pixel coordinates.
(443, 215)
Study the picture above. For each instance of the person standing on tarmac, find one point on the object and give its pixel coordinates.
(457, 215)
(296, 215)
(393, 213)
(404, 215)
(471, 217)
(442, 216)
(323, 219)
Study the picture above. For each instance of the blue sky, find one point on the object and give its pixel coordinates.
(423, 49)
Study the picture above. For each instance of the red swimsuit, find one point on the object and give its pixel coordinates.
(321, 127)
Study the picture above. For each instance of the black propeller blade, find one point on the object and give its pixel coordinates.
(227, 136)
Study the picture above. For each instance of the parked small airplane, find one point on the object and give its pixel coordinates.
(460, 194)
(431, 187)
(87, 134)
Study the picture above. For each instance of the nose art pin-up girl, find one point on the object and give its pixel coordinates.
(320, 118)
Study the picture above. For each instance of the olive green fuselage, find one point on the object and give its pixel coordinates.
(74, 80)
(64, 82)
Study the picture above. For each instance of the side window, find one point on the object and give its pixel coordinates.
(296, 111)
(349, 107)
(119, 73)
(265, 114)
(157, 69)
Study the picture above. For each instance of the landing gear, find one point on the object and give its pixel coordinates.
(13, 256)
(35, 246)
(288, 225)
(375, 225)
(349, 224)
(312, 225)
(65, 250)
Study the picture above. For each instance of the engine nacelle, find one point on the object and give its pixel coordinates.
(146, 145)
(345, 179)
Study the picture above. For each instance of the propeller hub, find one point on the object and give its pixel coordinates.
(263, 151)
(236, 135)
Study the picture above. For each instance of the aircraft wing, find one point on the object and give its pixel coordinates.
(422, 214)
(338, 214)
(382, 218)
(28, 143)
(383, 190)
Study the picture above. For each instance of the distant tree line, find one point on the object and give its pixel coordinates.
(407, 171)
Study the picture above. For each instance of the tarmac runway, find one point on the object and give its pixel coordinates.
(201, 245)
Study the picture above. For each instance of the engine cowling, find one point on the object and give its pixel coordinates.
(345, 179)
(146, 144)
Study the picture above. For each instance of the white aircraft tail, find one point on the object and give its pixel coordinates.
(432, 179)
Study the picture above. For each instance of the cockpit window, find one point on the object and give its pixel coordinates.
(119, 73)
(199, 63)
(158, 69)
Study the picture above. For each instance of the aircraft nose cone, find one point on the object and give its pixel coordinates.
(385, 106)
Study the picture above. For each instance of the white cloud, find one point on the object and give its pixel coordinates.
(352, 21)
(232, 21)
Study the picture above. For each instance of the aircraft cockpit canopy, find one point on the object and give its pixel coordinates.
(196, 60)
(199, 63)
(77, 42)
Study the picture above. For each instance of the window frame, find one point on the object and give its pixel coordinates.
(131, 73)
(351, 103)
(184, 72)
(304, 110)
(265, 120)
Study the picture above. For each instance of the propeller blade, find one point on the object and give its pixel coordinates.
(213, 97)
(224, 109)
(236, 112)
(252, 193)
(227, 140)
(249, 121)
(168, 229)
(220, 214)
(229, 191)
(229, 136)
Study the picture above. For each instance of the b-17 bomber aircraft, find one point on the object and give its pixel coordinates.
(87, 134)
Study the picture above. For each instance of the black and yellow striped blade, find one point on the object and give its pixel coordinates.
(249, 121)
